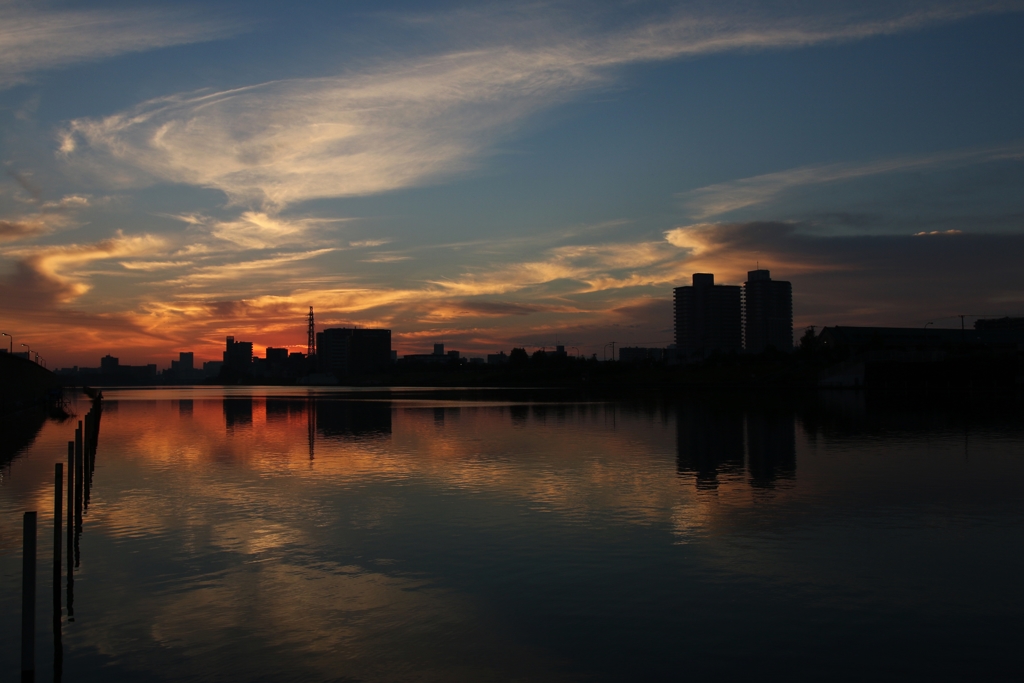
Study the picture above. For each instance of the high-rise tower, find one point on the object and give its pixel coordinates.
(768, 315)
(707, 317)
(311, 337)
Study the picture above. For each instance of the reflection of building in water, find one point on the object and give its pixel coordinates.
(311, 424)
(833, 412)
(519, 415)
(709, 442)
(279, 409)
(771, 447)
(185, 408)
(339, 418)
(285, 409)
(18, 433)
(237, 412)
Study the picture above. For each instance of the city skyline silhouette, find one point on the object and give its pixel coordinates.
(513, 176)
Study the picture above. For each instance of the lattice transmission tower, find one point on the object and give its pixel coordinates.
(311, 343)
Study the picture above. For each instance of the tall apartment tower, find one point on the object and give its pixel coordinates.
(346, 351)
(768, 315)
(238, 355)
(708, 317)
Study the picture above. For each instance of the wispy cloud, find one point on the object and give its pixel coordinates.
(52, 275)
(573, 269)
(69, 202)
(502, 308)
(730, 250)
(609, 291)
(242, 272)
(386, 257)
(420, 121)
(369, 243)
(12, 230)
(260, 230)
(723, 198)
(34, 39)
(153, 265)
(49, 216)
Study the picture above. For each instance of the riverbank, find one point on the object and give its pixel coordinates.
(25, 385)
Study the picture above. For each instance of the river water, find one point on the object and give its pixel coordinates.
(263, 534)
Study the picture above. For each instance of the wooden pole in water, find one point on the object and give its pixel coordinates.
(79, 482)
(28, 599)
(58, 514)
(80, 443)
(71, 534)
(85, 461)
(88, 440)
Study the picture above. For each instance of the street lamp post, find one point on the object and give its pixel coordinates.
(4, 334)
(29, 350)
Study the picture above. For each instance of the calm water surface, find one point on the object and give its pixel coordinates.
(264, 535)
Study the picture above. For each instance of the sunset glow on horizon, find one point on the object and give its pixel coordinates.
(497, 175)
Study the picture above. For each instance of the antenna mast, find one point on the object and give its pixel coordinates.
(311, 343)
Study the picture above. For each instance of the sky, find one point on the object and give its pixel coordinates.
(498, 175)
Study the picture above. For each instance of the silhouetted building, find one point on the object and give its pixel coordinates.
(297, 363)
(432, 358)
(439, 356)
(924, 342)
(545, 353)
(212, 368)
(143, 374)
(499, 358)
(343, 351)
(768, 313)
(277, 356)
(707, 317)
(238, 355)
(183, 370)
(640, 354)
(112, 371)
(1001, 324)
